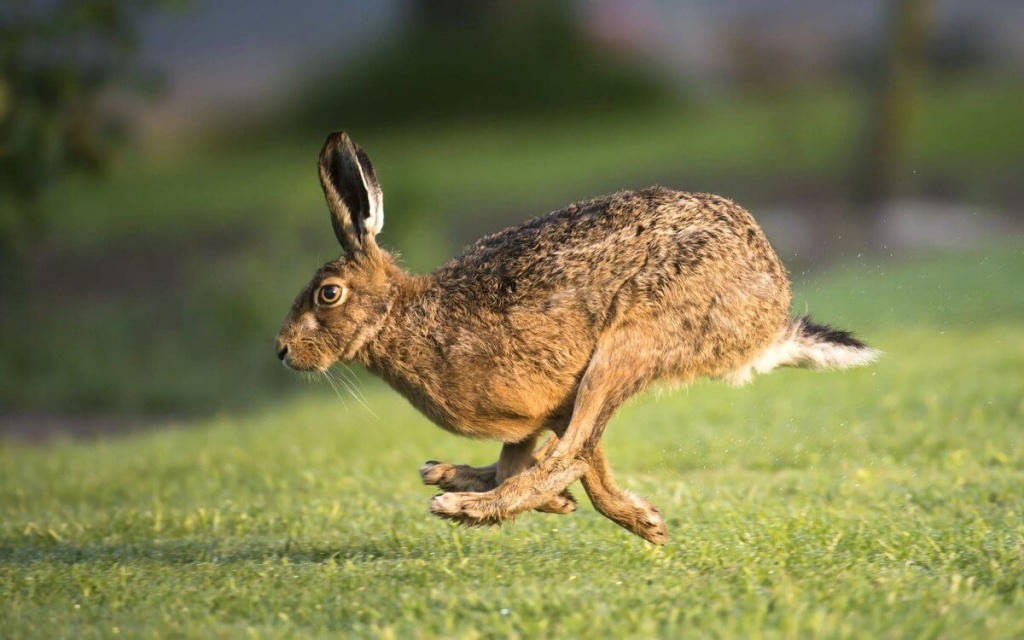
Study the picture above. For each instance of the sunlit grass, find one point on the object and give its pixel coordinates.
(880, 502)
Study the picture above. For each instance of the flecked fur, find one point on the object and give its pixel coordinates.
(549, 327)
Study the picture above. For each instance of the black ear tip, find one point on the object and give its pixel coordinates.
(336, 140)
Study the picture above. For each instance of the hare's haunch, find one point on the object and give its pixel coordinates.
(551, 326)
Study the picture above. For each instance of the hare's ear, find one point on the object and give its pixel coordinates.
(353, 193)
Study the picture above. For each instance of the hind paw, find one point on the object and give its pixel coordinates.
(563, 503)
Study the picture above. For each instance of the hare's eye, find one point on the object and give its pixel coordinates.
(329, 294)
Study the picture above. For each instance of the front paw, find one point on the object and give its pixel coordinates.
(458, 477)
(434, 473)
(468, 509)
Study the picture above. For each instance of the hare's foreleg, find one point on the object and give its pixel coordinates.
(625, 509)
(615, 372)
(459, 477)
(515, 458)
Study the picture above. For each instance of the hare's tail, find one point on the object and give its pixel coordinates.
(806, 344)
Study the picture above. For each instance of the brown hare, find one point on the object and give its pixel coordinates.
(551, 326)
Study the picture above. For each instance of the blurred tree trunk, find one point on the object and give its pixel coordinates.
(894, 86)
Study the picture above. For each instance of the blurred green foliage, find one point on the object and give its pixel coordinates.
(174, 311)
(59, 63)
(526, 59)
(968, 133)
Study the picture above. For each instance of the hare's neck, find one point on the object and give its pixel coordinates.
(402, 350)
(365, 336)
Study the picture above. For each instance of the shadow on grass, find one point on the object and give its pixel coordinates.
(188, 552)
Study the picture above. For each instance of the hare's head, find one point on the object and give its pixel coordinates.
(348, 299)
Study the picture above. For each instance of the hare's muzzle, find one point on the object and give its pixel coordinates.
(281, 349)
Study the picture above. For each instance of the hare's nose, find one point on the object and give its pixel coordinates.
(281, 348)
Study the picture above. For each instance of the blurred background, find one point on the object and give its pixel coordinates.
(159, 205)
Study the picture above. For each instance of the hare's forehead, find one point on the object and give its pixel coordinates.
(340, 268)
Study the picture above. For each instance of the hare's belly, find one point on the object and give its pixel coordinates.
(509, 403)
(495, 406)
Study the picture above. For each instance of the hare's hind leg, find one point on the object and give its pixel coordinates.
(621, 507)
(616, 371)
(515, 458)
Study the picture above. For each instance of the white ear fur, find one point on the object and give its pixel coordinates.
(374, 220)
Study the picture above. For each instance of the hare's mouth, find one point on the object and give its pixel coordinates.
(306, 368)
(299, 357)
(289, 361)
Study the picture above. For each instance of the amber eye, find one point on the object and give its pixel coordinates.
(329, 294)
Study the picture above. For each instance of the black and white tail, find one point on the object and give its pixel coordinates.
(808, 345)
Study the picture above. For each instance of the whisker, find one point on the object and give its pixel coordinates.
(347, 387)
(337, 392)
(360, 396)
(361, 401)
(354, 379)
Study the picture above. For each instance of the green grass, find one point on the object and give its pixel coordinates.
(881, 502)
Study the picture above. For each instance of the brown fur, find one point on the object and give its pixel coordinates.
(548, 326)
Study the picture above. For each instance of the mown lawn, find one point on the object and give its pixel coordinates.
(882, 502)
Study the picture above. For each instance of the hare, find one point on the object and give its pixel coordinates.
(549, 327)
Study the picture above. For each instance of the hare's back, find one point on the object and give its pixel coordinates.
(655, 238)
(518, 315)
